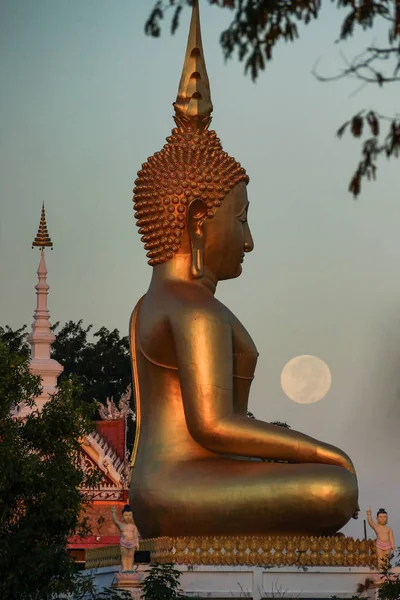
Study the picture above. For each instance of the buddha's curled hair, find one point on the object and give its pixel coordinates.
(191, 165)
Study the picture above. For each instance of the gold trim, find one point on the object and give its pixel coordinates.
(105, 556)
(135, 374)
(262, 551)
(42, 239)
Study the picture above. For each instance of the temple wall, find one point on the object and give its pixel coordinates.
(256, 582)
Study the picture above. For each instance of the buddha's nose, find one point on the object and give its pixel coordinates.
(248, 241)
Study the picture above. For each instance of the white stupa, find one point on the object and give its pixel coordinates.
(41, 337)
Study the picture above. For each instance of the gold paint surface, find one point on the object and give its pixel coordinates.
(105, 556)
(194, 96)
(200, 466)
(248, 550)
(262, 551)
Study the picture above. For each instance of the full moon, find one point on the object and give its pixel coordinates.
(306, 379)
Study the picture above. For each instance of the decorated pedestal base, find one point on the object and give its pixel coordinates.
(263, 551)
(130, 581)
(256, 567)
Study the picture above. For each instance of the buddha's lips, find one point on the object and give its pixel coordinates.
(242, 258)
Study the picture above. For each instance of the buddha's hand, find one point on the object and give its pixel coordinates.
(331, 455)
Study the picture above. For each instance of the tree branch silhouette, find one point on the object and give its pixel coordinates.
(259, 26)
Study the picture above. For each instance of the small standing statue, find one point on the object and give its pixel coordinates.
(129, 541)
(384, 536)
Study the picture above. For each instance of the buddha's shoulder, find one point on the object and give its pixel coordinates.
(167, 313)
(183, 302)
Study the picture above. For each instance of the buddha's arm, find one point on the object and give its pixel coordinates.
(203, 341)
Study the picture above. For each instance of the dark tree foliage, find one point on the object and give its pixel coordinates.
(281, 424)
(162, 583)
(259, 26)
(389, 586)
(15, 339)
(389, 589)
(278, 423)
(102, 365)
(40, 479)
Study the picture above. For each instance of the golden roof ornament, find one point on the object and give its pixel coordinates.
(193, 104)
(42, 239)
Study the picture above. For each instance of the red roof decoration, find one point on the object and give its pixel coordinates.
(114, 434)
(105, 450)
(93, 541)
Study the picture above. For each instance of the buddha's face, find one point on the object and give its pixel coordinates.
(127, 517)
(382, 519)
(227, 235)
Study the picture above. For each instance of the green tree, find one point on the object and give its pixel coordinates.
(15, 339)
(389, 586)
(279, 423)
(161, 583)
(102, 365)
(259, 26)
(40, 480)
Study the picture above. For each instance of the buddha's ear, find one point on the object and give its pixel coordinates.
(195, 217)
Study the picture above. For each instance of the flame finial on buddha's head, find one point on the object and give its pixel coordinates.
(191, 165)
(193, 104)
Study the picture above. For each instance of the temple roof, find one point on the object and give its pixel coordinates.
(113, 432)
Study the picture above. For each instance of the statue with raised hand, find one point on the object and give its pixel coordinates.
(384, 536)
(129, 541)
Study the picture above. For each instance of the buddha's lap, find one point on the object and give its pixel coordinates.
(271, 498)
(218, 479)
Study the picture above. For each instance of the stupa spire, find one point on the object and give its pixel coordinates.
(42, 239)
(193, 102)
(41, 336)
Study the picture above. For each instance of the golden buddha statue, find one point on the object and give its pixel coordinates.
(198, 465)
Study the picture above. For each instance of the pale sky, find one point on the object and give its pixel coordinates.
(86, 97)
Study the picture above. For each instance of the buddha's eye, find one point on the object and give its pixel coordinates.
(243, 221)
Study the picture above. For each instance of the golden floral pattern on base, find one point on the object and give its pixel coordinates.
(336, 551)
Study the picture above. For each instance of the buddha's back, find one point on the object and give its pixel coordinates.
(163, 423)
(162, 418)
